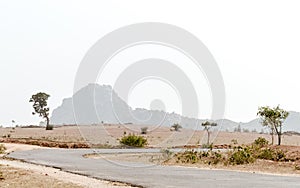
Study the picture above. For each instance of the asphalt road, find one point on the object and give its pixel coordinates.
(146, 175)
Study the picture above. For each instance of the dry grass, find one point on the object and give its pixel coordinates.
(108, 135)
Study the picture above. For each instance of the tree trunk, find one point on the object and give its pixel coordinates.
(272, 133)
(48, 127)
(208, 135)
(279, 137)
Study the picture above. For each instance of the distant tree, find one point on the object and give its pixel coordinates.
(39, 101)
(273, 118)
(238, 128)
(176, 127)
(13, 122)
(207, 126)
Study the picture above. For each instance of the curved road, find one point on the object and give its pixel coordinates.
(71, 160)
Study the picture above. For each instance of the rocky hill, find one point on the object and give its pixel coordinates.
(96, 104)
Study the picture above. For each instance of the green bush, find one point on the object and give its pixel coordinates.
(261, 142)
(206, 157)
(271, 154)
(240, 156)
(133, 140)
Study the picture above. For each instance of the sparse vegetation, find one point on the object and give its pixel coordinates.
(133, 140)
(206, 157)
(238, 156)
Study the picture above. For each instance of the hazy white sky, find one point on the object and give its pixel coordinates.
(255, 43)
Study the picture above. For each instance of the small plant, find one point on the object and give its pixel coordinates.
(144, 130)
(133, 140)
(2, 148)
(208, 146)
(234, 141)
(176, 127)
(167, 154)
(297, 167)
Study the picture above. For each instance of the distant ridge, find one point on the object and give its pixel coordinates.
(95, 104)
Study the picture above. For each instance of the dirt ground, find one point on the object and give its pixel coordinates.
(107, 136)
(16, 174)
(16, 177)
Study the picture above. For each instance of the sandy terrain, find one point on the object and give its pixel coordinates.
(108, 135)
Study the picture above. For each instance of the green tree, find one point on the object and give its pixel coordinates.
(207, 126)
(176, 127)
(273, 118)
(40, 107)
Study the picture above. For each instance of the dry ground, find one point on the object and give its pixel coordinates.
(16, 177)
(16, 174)
(107, 136)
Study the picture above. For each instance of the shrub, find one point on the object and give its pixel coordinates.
(234, 141)
(261, 142)
(2, 148)
(189, 157)
(241, 155)
(206, 157)
(49, 127)
(271, 154)
(144, 130)
(133, 140)
(208, 146)
(176, 127)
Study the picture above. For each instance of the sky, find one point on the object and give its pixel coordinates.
(255, 44)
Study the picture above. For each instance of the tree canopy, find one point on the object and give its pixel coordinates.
(273, 118)
(40, 106)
